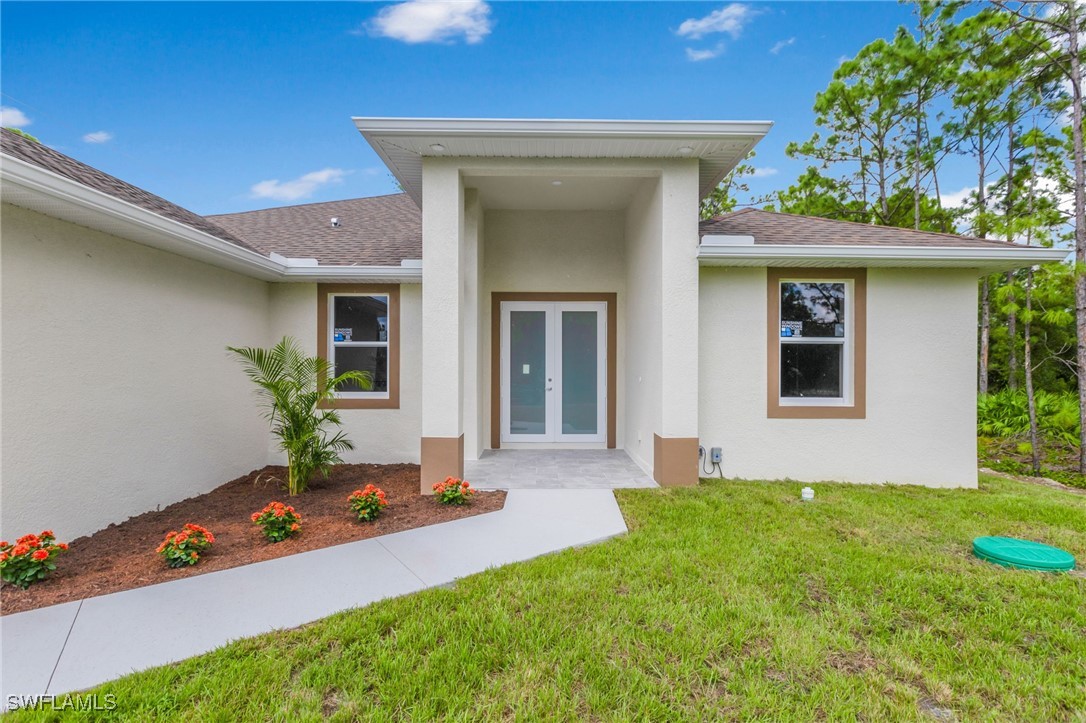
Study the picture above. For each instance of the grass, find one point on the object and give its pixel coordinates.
(732, 600)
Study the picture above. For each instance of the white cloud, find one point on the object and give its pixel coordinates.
(781, 45)
(434, 21)
(730, 19)
(764, 172)
(98, 137)
(13, 118)
(696, 56)
(301, 187)
(957, 199)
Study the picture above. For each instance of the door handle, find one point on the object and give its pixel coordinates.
(549, 388)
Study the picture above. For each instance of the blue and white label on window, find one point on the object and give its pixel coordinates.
(791, 328)
(342, 334)
(838, 329)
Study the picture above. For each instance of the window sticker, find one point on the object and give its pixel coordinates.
(342, 334)
(838, 329)
(791, 328)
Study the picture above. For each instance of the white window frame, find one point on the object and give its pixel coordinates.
(847, 343)
(386, 344)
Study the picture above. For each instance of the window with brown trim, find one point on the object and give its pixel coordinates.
(358, 329)
(817, 329)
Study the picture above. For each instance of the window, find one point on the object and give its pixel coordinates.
(817, 332)
(357, 330)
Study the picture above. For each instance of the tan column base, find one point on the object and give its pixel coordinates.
(675, 461)
(441, 457)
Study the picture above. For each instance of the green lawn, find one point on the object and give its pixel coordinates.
(731, 600)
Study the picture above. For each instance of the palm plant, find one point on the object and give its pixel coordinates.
(293, 388)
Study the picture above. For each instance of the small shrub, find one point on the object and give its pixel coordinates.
(278, 521)
(184, 547)
(367, 503)
(453, 491)
(30, 559)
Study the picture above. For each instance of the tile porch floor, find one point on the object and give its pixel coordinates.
(555, 469)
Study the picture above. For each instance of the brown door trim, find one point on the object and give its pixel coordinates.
(496, 299)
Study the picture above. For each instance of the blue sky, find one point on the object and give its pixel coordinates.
(233, 106)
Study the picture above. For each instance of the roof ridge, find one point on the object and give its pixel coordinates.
(895, 228)
(305, 205)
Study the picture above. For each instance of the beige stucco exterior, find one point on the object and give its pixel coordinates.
(119, 396)
(920, 425)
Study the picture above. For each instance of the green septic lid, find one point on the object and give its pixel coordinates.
(1009, 552)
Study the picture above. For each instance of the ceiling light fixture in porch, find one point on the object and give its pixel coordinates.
(437, 147)
(686, 150)
(556, 183)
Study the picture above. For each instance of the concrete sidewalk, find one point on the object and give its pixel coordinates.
(77, 645)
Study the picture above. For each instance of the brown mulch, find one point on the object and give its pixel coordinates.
(122, 556)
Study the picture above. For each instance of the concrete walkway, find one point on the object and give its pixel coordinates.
(531, 469)
(77, 645)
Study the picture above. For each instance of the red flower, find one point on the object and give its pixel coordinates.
(3, 543)
(3, 557)
(41, 555)
(63, 545)
(294, 527)
(20, 550)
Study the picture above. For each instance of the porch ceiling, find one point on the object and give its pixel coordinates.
(403, 142)
(554, 192)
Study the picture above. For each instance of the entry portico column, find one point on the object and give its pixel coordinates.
(675, 446)
(442, 453)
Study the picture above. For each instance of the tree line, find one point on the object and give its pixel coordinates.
(997, 85)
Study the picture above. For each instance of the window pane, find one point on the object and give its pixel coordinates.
(812, 310)
(372, 359)
(360, 318)
(580, 401)
(811, 370)
(527, 372)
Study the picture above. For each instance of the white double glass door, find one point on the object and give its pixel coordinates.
(553, 371)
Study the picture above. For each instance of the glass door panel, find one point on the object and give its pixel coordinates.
(579, 372)
(527, 371)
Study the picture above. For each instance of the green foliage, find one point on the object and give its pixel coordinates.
(728, 601)
(23, 133)
(1006, 414)
(278, 521)
(184, 547)
(30, 559)
(293, 388)
(722, 199)
(453, 491)
(368, 502)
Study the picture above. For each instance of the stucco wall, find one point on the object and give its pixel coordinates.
(553, 251)
(921, 404)
(118, 393)
(380, 435)
(642, 387)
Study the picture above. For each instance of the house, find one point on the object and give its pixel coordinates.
(538, 284)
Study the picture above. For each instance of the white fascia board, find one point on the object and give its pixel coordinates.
(556, 127)
(151, 229)
(984, 259)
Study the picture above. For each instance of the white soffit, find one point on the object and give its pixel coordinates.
(807, 255)
(403, 142)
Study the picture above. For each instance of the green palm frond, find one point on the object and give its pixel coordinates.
(292, 388)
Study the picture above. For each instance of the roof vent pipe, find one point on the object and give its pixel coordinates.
(335, 222)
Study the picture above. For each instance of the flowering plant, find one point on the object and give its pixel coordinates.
(184, 547)
(279, 521)
(453, 491)
(367, 503)
(30, 559)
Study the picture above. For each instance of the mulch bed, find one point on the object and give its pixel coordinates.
(122, 556)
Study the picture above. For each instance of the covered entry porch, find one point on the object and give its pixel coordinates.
(516, 469)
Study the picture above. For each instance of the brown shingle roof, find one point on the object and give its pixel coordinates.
(768, 227)
(16, 146)
(376, 231)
